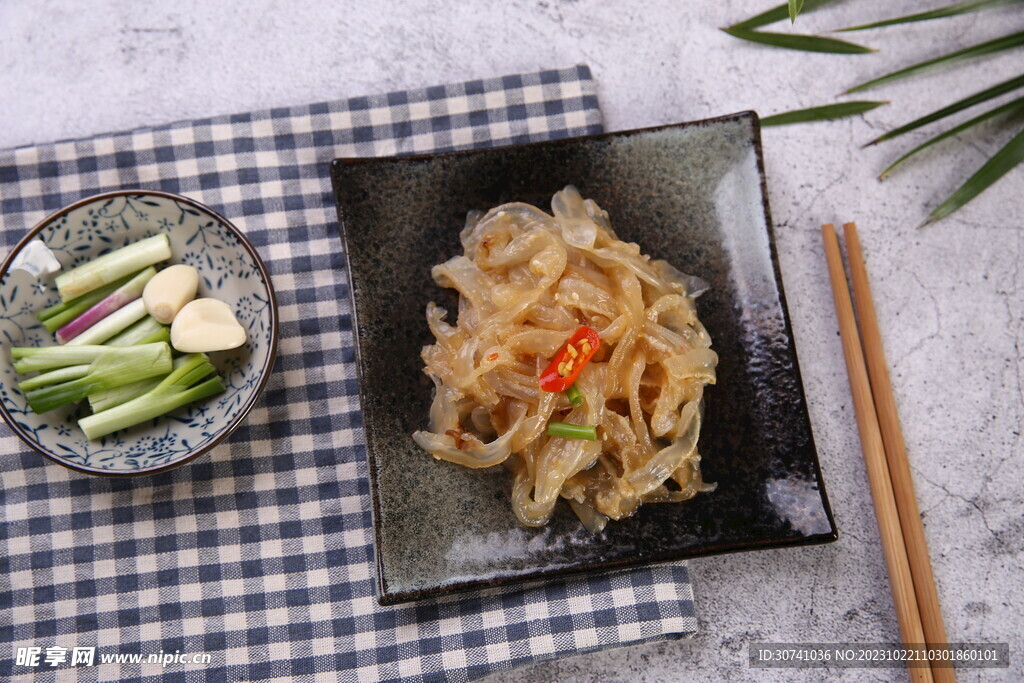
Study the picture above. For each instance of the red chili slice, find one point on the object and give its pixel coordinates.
(566, 364)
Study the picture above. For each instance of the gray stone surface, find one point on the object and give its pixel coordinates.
(949, 297)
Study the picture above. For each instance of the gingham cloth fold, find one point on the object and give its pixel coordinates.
(260, 553)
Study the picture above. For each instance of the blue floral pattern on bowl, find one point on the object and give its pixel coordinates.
(229, 269)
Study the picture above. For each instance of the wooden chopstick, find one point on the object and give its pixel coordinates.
(889, 530)
(896, 453)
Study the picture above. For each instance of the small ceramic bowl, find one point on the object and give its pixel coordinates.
(229, 269)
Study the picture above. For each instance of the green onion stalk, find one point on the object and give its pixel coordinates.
(113, 266)
(110, 369)
(146, 331)
(115, 322)
(110, 304)
(39, 358)
(60, 314)
(55, 376)
(105, 399)
(181, 387)
(571, 431)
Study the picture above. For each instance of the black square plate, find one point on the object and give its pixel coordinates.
(691, 193)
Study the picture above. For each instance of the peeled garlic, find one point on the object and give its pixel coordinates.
(206, 325)
(169, 291)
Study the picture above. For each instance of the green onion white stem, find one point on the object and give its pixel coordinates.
(120, 297)
(59, 315)
(111, 369)
(32, 358)
(115, 396)
(55, 376)
(146, 331)
(112, 324)
(108, 398)
(113, 266)
(174, 391)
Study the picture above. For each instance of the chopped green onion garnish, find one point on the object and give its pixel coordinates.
(574, 395)
(571, 431)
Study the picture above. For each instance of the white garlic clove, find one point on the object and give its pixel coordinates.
(206, 325)
(169, 291)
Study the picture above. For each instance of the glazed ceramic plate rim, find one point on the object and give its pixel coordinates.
(265, 372)
(388, 597)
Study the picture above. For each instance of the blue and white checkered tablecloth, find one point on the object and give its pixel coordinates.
(260, 554)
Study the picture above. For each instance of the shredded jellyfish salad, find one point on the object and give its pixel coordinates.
(575, 361)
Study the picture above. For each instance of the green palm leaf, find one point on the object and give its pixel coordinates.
(977, 98)
(794, 9)
(798, 42)
(778, 14)
(826, 113)
(991, 47)
(995, 168)
(1014, 107)
(953, 10)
